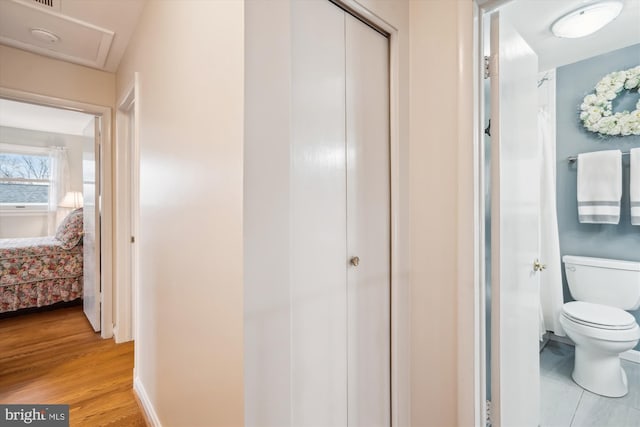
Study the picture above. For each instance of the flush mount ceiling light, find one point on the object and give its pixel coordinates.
(587, 20)
(44, 35)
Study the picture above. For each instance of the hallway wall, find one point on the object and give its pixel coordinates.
(441, 194)
(189, 351)
(24, 71)
(191, 112)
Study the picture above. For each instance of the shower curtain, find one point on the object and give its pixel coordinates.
(551, 297)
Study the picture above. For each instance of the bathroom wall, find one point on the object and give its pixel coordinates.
(574, 81)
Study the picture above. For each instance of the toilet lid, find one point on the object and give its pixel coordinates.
(598, 315)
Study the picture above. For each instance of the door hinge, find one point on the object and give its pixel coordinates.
(133, 239)
(487, 67)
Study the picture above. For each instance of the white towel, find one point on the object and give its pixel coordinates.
(600, 187)
(634, 185)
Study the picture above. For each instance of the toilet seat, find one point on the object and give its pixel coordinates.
(597, 332)
(598, 316)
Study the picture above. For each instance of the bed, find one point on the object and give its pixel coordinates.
(42, 271)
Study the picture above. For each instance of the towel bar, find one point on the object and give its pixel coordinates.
(572, 159)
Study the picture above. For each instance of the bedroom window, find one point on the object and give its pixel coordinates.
(24, 180)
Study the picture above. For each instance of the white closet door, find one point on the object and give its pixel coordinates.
(318, 210)
(368, 223)
(340, 323)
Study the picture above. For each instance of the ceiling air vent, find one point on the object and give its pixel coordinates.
(49, 4)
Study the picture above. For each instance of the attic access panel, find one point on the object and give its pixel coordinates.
(78, 41)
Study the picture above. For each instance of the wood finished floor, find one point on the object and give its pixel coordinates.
(55, 357)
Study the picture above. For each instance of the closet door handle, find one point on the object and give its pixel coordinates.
(355, 261)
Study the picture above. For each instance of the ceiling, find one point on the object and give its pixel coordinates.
(533, 19)
(36, 117)
(94, 33)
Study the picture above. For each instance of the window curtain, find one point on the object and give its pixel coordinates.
(59, 184)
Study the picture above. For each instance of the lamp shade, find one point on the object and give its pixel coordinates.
(73, 199)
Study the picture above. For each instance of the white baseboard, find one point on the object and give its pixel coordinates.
(630, 356)
(564, 340)
(139, 390)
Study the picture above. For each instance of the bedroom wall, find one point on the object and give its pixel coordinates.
(189, 352)
(34, 225)
(24, 225)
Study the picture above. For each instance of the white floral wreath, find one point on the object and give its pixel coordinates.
(597, 110)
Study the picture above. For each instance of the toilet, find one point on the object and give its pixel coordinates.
(597, 321)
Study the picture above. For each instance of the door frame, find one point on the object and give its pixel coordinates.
(106, 202)
(126, 220)
(400, 302)
(482, 8)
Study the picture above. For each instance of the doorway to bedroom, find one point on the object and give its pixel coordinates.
(50, 209)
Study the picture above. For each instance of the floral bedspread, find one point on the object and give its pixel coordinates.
(38, 271)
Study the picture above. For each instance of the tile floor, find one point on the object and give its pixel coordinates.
(565, 404)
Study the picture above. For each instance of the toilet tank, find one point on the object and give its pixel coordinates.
(603, 281)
